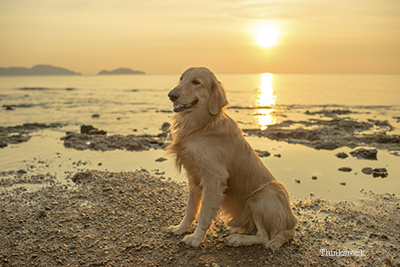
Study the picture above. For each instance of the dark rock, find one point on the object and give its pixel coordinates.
(12, 107)
(262, 154)
(314, 177)
(343, 183)
(388, 139)
(15, 139)
(89, 129)
(380, 172)
(165, 127)
(341, 155)
(9, 107)
(161, 159)
(345, 169)
(330, 113)
(367, 170)
(326, 145)
(363, 153)
(381, 124)
(86, 128)
(21, 171)
(81, 177)
(96, 116)
(296, 181)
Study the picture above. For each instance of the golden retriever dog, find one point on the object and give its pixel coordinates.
(224, 173)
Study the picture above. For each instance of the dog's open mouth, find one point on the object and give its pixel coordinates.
(180, 107)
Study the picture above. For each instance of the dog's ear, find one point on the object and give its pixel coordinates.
(218, 98)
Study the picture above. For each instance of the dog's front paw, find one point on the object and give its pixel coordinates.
(177, 229)
(192, 240)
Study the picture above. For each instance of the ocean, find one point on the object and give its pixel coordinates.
(138, 104)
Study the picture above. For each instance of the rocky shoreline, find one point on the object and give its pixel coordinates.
(82, 141)
(332, 134)
(20, 133)
(120, 219)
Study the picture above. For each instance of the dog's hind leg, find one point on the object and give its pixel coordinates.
(272, 216)
(247, 240)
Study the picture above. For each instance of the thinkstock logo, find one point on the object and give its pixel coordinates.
(341, 253)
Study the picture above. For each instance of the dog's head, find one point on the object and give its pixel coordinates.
(198, 91)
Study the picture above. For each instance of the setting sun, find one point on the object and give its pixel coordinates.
(266, 35)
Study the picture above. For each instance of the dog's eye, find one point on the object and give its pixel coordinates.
(195, 82)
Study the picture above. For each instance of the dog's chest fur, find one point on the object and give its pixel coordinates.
(190, 154)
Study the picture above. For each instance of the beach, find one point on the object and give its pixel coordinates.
(120, 219)
(84, 180)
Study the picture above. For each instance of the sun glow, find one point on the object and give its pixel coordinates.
(266, 100)
(266, 35)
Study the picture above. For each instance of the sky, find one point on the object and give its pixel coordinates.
(227, 36)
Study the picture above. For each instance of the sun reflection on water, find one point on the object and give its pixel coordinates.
(266, 102)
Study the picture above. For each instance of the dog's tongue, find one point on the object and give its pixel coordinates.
(178, 106)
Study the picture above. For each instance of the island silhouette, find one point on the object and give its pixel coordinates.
(43, 69)
(120, 71)
(36, 70)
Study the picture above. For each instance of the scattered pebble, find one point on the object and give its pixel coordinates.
(314, 177)
(161, 159)
(263, 154)
(165, 127)
(380, 172)
(345, 169)
(363, 153)
(367, 170)
(296, 181)
(341, 155)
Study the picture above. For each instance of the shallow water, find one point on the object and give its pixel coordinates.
(138, 104)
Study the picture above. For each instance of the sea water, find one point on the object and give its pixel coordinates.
(138, 104)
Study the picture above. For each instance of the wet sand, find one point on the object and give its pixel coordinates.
(120, 219)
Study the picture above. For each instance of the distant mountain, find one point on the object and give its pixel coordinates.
(36, 70)
(120, 71)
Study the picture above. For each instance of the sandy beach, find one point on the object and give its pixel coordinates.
(120, 219)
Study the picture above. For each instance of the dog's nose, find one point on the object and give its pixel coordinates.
(173, 95)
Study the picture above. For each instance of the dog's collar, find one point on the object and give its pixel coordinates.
(180, 108)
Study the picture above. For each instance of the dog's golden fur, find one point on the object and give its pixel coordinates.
(224, 173)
